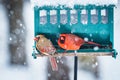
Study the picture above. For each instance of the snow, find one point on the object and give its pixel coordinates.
(90, 35)
(75, 51)
(86, 39)
(71, 3)
(109, 67)
(96, 48)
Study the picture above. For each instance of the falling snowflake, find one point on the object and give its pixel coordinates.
(95, 65)
(13, 39)
(17, 31)
(75, 51)
(10, 38)
(61, 61)
(11, 12)
(86, 39)
(49, 74)
(92, 40)
(90, 35)
(70, 24)
(58, 26)
(24, 63)
(96, 48)
(58, 61)
(22, 31)
(21, 24)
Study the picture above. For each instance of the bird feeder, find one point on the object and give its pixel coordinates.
(91, 22)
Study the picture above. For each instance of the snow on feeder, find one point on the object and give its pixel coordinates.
(92, 20)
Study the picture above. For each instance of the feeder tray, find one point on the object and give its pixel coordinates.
(91, 22)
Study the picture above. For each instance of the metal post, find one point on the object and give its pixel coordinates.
(75, 67)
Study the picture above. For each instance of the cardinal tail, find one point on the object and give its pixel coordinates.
(53, 64)
(90, 42)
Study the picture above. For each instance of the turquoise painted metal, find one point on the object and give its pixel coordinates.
(102, 33)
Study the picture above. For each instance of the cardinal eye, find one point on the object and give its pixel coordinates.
(62, 39)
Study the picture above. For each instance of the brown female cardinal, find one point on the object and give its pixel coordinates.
(46, 47)
(72, 42)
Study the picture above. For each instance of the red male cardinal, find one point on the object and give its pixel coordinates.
(72, 42)
(46, 47)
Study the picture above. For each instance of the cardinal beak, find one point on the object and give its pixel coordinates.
(36, 38)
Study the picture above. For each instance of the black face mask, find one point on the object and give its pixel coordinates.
(62, 39)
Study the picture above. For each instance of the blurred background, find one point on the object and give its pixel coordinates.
(16, 41)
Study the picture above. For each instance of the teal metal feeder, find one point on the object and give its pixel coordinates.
(91, 22)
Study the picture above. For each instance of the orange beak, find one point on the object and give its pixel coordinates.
(36, 39)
